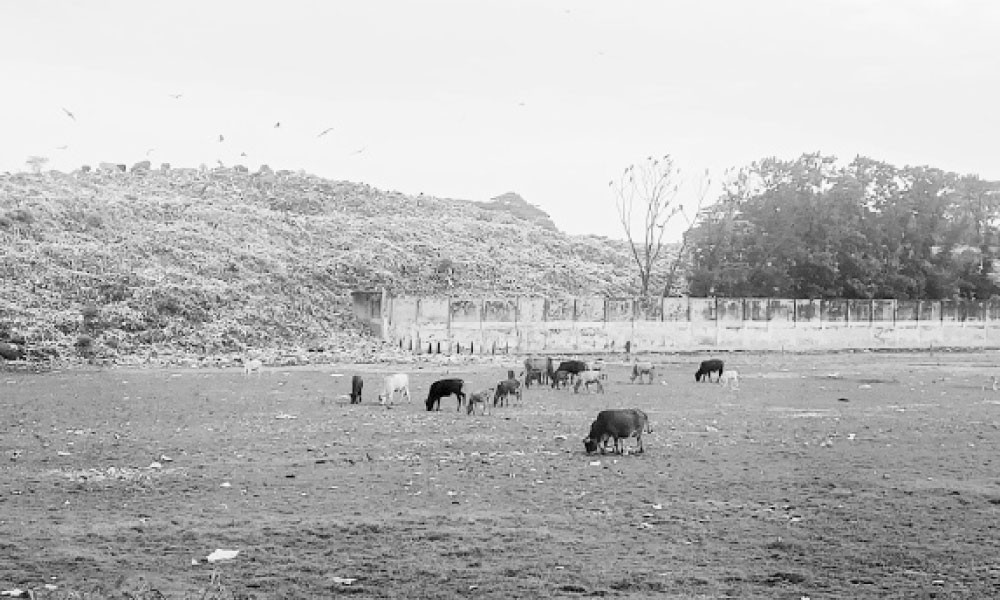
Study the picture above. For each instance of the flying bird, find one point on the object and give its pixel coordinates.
(176, 96)
(69, 114)
(325, 131)
(277, 125)
(222, 138)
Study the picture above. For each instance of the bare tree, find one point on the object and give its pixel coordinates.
(691, 220)
(36, 163)
(653, 186)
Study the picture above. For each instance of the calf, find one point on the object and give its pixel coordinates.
(506, 389)
(643, 368)
(588, 378)
(617, 424)
(356, 384)
(542, 365)
(730, 379)
(573, 367)
(560, 379)
(481, 398)
(445, 387)
(400, 382)
(533, 375)
(707, 368)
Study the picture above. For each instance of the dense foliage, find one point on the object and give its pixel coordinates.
(203, 262)
(810, 228)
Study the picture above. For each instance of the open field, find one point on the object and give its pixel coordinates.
(824, 476)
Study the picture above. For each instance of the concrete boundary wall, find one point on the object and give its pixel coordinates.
(594, 324)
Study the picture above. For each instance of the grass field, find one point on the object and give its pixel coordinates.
(824, 476)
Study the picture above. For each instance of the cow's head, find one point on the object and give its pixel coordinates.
(590, 445)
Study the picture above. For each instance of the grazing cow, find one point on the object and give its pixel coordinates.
(588, 378)
(617, 424)
(400, 382)
(10, 351)
(356, 384)
(255, 364)
(481, 398)
(532, 375)
(573, 367)
(560, 379)
(643, 368)
(541, 366)
(506, 389)
(707, 368)
(730, 379)
(445, 387)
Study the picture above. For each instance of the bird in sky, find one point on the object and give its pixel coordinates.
(243, 153)
(176, 96)
(277, 125)
(360, 150)
(222, 138)
(69, 114)
(325, 131)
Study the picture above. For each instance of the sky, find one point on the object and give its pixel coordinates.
(471, 99)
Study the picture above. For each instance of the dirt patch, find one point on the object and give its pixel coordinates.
(119, 483)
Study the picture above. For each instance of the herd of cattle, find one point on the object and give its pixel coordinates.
(615, 425)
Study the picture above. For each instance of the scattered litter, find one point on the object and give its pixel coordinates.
(285, 416)
(15, 593)
(657, 507)
(561, 437)
(336, 374)
(64, 453)
(225, 484)
(595, 463)
(222, 555)
(709, 428)
(865, 386)
(165, 458)
(344, 580)
(155, 465)
(851, 436)
(842, 400)
(645, 525)
(51, 587)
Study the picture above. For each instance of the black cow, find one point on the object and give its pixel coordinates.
(573, 367)
(356, 384)
(618, 424)
(707, 368)
(10, 351)
(505, 389)
(445, 387)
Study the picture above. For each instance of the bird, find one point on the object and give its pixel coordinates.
(222, 138)
(325, 131)
(277, 125)
(68, 113)
(243, 153)
(359, 151)
(61, 147)
(176, 96)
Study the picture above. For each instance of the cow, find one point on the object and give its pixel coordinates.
(573, 367)
(533, 375)
(445, 387)
(506, 389)
(643, 368)
(543, 366)
(707, 368)
(588, 378)
(617, 424)
(356, 384)
(560, 379)
(730, 379)
(481, 398)
(10, 351)
(255, 364)
(400, 382)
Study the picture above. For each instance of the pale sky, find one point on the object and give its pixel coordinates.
(471, 99)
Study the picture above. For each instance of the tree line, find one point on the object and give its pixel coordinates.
(814, 228)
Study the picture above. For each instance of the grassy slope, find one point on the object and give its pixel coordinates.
(216, 262)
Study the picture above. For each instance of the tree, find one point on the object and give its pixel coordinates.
(653, 186)
(682, 254)
(36, 163)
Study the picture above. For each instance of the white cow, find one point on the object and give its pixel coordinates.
(249, 366)
(400, 382)
(588, 378)
(730, 379)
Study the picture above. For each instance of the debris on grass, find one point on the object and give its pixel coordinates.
(220, 554)
(285, 416)
(344, 580)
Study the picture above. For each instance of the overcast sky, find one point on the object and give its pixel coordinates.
(470, 99)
